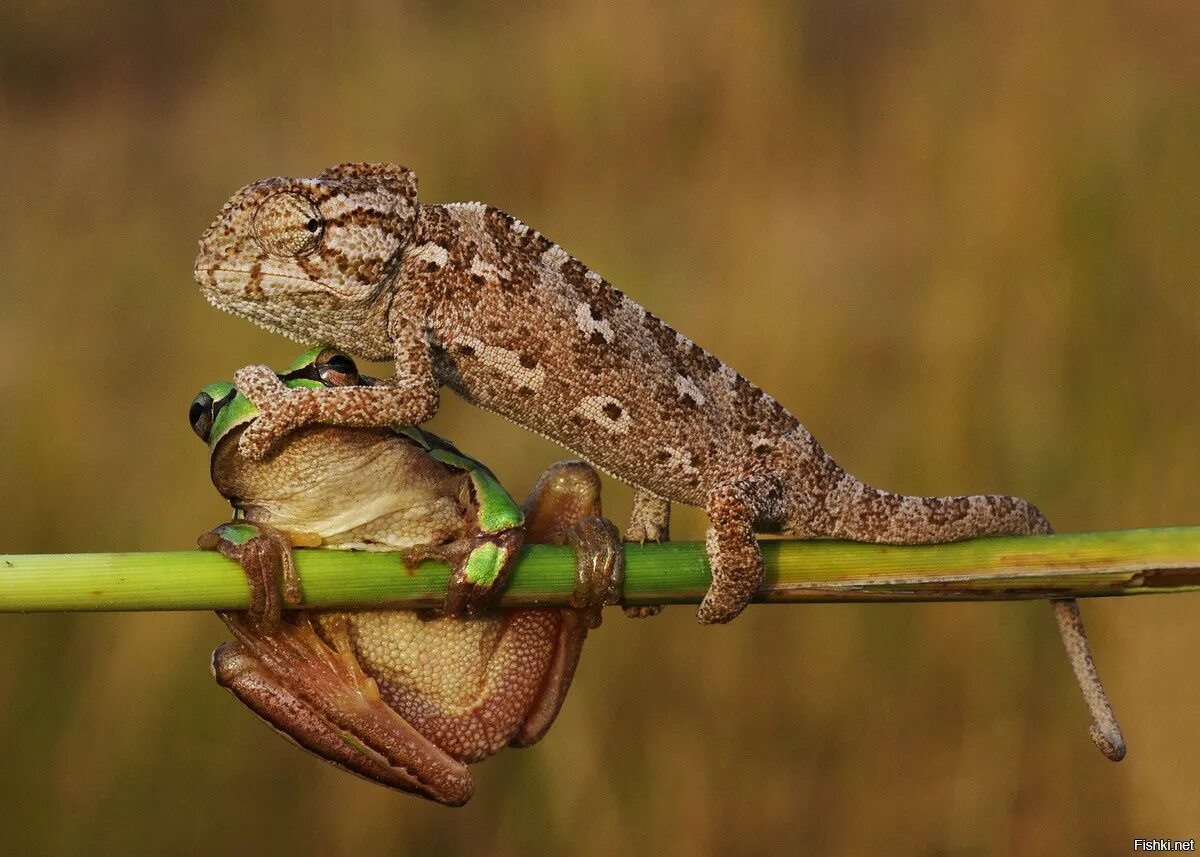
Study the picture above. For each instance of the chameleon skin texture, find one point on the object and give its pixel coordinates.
(468, 297)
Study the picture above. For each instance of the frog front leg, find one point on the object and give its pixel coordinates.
(265, 556)
(317, 693)
(479, 567)
(479, 563)
(407, 400)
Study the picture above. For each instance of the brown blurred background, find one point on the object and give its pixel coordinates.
(957, 239)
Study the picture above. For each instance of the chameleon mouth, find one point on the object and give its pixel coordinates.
(220, 301)
(249, 272)
(256, 278)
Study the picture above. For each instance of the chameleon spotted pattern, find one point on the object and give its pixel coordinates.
(468, 297)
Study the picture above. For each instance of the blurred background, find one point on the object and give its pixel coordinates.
(957, 239)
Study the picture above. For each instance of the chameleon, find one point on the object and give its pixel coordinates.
(401, 697)
(466, 296)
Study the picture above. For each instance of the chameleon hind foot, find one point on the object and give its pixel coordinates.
(649, 521)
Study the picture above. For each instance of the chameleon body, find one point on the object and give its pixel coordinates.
(466, 296)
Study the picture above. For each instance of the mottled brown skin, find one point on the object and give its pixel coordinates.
(466, 296)
(392, 695)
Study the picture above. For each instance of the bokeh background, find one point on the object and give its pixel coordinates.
(957, 239)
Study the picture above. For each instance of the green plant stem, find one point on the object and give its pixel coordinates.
(1079, 565)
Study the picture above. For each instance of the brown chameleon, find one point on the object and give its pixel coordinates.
(466, 296)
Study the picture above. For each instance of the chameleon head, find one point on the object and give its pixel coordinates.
(284, 252)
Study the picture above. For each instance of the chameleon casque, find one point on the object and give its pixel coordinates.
(466, 296)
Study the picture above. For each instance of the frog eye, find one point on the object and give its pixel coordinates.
(288, 224)
(335, 369)
(201, 415)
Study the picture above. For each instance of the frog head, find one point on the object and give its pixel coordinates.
(219, 410)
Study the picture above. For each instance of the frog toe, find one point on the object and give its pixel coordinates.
(599, 566)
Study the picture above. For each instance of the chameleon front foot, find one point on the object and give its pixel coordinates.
(265, 555)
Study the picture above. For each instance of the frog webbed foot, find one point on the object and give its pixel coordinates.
(564, 509)
(316, 692)
(479, 567)
(265, 555)
(599, 566)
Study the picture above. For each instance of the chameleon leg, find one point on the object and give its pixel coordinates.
(406, 402)
(1105, 731)
(735, 511)
(319, 695)
(649, 521)
(650, 518)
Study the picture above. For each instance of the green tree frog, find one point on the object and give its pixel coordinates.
(397, 696)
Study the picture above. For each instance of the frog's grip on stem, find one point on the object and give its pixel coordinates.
(265, 555)
(479, 568)
(599, 566)
(1105, 731)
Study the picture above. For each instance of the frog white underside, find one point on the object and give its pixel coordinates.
(380, 523)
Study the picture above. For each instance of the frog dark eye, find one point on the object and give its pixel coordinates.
(200, 415)
(288, 224)
(337, 370)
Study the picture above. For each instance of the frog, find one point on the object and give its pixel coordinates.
(405, 698)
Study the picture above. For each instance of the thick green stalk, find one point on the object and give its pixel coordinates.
(1080, 565)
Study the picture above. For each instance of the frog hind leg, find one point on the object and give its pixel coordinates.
(553, 692)
(564, 508)
(318, 695)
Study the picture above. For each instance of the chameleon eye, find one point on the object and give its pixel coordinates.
(335, 369)
(288, 224)
(200, 415)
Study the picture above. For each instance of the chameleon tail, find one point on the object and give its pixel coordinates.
(864, 513)
(854, 510)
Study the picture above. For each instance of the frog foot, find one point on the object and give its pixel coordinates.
(265, 555)
(479, 567)
(316, 692)
(599, 566)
